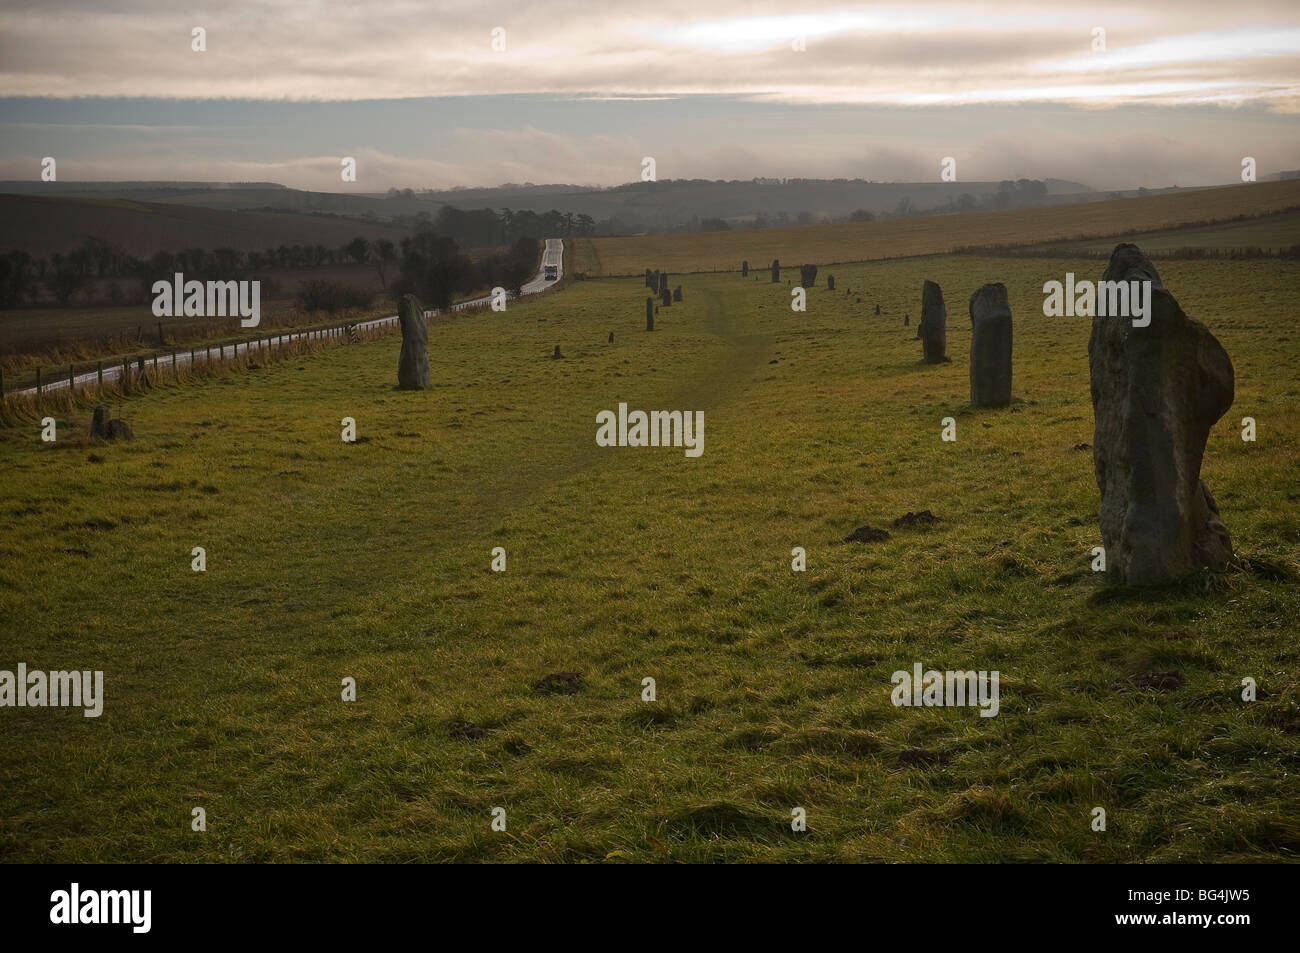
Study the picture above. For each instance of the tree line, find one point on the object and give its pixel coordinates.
(485, 228)
(74, 274)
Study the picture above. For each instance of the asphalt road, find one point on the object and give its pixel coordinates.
(553, 254)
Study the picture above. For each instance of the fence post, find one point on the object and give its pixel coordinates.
(126, 375)
(72, 381)
(99, 373)
(176, 374)
(38, 388)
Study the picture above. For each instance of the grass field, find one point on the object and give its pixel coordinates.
(1272, 232)
(41, 225)
(371, 560)
(927, 235)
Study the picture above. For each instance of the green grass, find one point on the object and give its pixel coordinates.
(371, 560)
(1272, 232)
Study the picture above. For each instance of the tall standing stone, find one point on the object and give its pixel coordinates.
(677, 293)
(663, 282)
(933, 329)
(776, 270)
(830, 283)
(649, 277)
(744, 269)
(665, 298)
(649, 313)
(807, 276)
(1156, 392)
(413, 362)
(990, 347)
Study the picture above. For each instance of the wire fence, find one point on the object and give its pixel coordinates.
(64, 387)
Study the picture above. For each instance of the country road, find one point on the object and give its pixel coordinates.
(552, 255)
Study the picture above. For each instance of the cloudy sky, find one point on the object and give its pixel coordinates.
(1112, 94)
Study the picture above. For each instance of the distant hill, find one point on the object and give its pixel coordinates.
(30, 187)
(929, 235)
(673, 203)
(40, 225)
(625, 209)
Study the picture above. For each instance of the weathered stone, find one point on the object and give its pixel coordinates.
(990, 347)
(103, 426)
(744, 269)
(830, 282)
(611, 337)
(650, 277)
(907, 319)
(663, 282)
(807, 276)
(665, 297)
(933, 329)
(649, 314)
(776, 270)
(1156, 392)
(557, 355)
(877, 310)
(413, 361)
(99, 422)
(677, 293)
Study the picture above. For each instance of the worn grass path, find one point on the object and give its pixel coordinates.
(371, 560)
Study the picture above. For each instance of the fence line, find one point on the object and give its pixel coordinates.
(87, 380)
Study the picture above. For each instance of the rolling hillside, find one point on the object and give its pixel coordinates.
(41, 225)
(898, 238)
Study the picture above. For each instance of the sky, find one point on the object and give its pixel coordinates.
(446, 94)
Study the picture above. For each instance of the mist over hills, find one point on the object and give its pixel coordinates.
(43, 217)
(665, 205)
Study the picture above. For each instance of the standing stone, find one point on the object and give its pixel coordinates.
(101, 425)
(663, 282)
(650, 277)
(665, 297)
(413, 362)
(611, 337)
(677, 293)
(744, 269)
(99, 422)
(1156, 392)
(933, 329)
(830, 283)
(776, 270)
(990, 347)
(557, 355)
(807, 275)
(649, 314)
(877, 310)
(907, 319)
